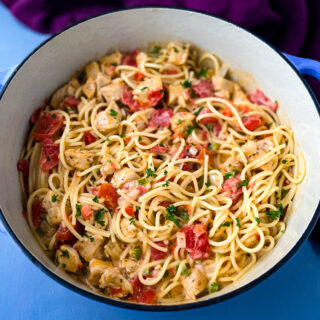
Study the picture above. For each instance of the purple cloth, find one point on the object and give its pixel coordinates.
(293, 26)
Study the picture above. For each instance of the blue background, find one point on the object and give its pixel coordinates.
(293, 292)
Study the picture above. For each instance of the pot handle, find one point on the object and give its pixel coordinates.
(305, 66)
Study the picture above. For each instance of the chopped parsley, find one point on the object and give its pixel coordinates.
(114, 64)
(186, 84)
(144, 88)
(284, 161)
(156, 50)
(213, 146)
(185, 271)
(63, 265)
(91, 238)
(99, 216)
(226, 224)
(214, 287)
(269, 124)
(46, 127)
(202, 72)
(165, 172)
(150, 173)
(113, 113)
(190, 130)
(138, 208)
(78, 208)
(230, 174)
(139, 139)
(53, 116)
(244, 183)
(171, 211)
(209, 126)
(275, 214)
(48, 158)
(65, 253)
(238, 223)
(122, 136)
(180, 121)
(107, 139)
(95, 199)
(183, 214)
(136, 253)
(143, 182)
(175, 49)
(54, 198)
(166, 183)
(283, 193)
(132, 220)
(207, 184)
(257, 219)
(166, 274)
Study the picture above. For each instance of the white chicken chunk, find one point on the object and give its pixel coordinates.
(123, 176)
(51, 203)
(89, 88)
(92, 70)
(112, 59)
(177, 95)
(79, 159)
(101, 81)
(195, 283)
(238, 94)
(181, 121)
(130, 266)
(96, 269)
(112, 91)
(90, 246)
(109, 167)
(128, 228)
(222, 87)
(141, 57)
(178, 53)
(142, 91)
(68, 259)
(233, 164)
(67, 90)
(114, 279)
(109, 118)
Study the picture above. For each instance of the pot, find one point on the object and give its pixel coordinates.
(53, 62)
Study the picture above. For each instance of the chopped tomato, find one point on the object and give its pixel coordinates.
(109, 194)
(114, 291)
(49, 124)
(161, 118)
(129, 59)
(127, 99)
(138, 76)
(197, 243)
(23, 166)
(210, 120)
(252, 122)
(64, 235)
(142, 189)
(227, 112)
(86, 211)
(154, 97)
(157, 254)
(158, 149)
(70, 102)
(202, 154)
(203, 89)
(136, 285)
(204, 135)
(147, 296)
(232, 188)
(49, 155)
(37, 210)
(94, 191)
(129, 211)
(258, 97)
(127, 140)
(170, 71)
(244, 108)
(257, 236)
(89, 138)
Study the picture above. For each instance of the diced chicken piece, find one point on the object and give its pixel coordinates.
(130, 266)
(195, 283)
(215, 180)
(223, 70)
(141, 57)
(113, 279)
(109, 166)
(123, 176)
(112, 91)
(79, 159)
(68, 259)
(46, 231)
(180, 122)
(112, 59)
(102, 80)
(178, 53)
(222, 87)
(265, 144)
(112, 250)
(109, 118)
(233, 164)
(52, 205)
(142, 91)
(142, 120)
(238, 94)
(177, 94)
(90, 246)
(67, 90)
(92, 70)
(96, 269)
(128, 228)
(89, 88)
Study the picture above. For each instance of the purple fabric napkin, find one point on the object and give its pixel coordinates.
(293, 26)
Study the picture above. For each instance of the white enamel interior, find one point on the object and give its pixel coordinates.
(54, 63)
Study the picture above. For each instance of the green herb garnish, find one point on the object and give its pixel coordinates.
(171, 211)
(65, 253)
(213, 146)
(244, 183)
(190, 130)
(275, 214)
(214, 287)
(230, 174)
(136, 253)
(202, 72)
(132, 220)
(91, 238)
(226, 224)
(99, 216)
(113, 113)
(166, 183)
(150, 173)
(284, 161)
(143, 182)
(175, 50)
(257, 219)
(78, 208)
(186, 84)
(95, 199)
(238, 223)
(156, 50)
(185, 271)
(199, 110)
(54, 198)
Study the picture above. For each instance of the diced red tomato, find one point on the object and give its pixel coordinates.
(136, 285)
(138, 76)
(109, 194)
(129, 59)
(64, 235)
(161, 118)
(127, 140)
(210, 120)
(49, 124)
(129, 211)
(197, 243)
(141, 293)
(258, 97)
(203, 89)
(70, 102)
(157, 254)
(170, 71)
(127, 99)
(114, 291)
(23, 166)
(154, 97)
(202, 154)
(227, 112)
(252, 122)
(232, 188)
(49, 155)
(204, 135)
(147, 296)
(158, 149)
(89, 138)
(244, 108)
(37, 210)
(86, 211)
(142, 189)
(94, 191)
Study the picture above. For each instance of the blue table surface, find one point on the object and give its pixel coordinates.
(292, 292)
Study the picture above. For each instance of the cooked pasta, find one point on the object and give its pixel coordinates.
(154, 177)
